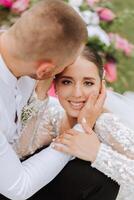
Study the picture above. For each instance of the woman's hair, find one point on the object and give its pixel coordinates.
(91, 55)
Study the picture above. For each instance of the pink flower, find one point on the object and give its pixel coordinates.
(122, 44)
(105, 14)
(6, 3)
(20, 6)
(51, 91)
(110, 71)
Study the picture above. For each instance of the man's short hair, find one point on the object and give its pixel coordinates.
(48, 29)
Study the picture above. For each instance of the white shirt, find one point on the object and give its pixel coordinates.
(21, 180)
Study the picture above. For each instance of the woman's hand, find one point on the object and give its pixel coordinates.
(82, 145)
(92, 109)
(42, 88)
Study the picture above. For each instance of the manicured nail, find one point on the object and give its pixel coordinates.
(84, 120)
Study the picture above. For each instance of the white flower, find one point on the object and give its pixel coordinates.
(99, 32)
(92, 20)
(75, 3)
(90, 17)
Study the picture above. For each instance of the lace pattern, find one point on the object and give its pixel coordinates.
(112, 132)
(40, 123)
(115, 156)
(32, 108)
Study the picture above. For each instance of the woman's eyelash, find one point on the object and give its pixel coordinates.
(65, 82)
(86, 83)
(89, 83)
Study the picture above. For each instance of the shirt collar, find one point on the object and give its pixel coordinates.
(6, 74)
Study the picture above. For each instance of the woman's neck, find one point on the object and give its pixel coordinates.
(67, 122)
(72, 121)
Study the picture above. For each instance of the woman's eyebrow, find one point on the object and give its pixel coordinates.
(85, 78)
(67, 77)
(89, 78)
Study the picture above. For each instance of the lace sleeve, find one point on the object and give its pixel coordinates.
(40, 123)
(48, 126)
(115, 156)
(115, 165)
(30, 119)
(111, 131)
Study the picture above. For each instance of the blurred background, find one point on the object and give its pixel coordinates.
(125, 67)
(110, 25)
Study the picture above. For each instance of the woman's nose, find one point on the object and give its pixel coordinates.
(77, 91)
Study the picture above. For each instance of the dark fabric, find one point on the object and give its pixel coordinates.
(79, 181)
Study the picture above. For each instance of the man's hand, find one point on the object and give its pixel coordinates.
(42, 88)
(82, 145)
(92, 109)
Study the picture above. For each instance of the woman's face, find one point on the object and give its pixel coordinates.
(75, 84)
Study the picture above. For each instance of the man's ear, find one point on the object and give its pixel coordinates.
(45, 69)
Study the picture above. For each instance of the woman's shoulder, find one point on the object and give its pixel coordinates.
(53, 104)
(107, 118)
(110, 122)
(54, 107)
(53, 101)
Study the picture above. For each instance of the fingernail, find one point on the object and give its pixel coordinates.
(84, 120)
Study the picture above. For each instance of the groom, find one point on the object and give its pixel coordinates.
(46, 39)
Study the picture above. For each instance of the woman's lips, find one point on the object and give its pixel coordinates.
(77, 105)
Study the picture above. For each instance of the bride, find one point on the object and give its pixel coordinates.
(109, 146)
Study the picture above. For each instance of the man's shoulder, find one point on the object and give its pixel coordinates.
(26, 83)
(26, 86)
(26, 80)
(3, 87)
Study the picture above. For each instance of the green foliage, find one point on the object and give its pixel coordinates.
(125, 27)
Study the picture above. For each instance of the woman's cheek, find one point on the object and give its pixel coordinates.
(94, 90)
(62, 94)
(91, 90)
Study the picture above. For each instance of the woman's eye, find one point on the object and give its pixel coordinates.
(88, 83)
(66, 82)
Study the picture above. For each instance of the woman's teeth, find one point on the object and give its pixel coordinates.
(77, 105)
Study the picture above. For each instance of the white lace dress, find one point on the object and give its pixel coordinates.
(40, 124)
(116, 154)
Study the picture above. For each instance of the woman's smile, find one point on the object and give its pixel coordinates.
(77, 105)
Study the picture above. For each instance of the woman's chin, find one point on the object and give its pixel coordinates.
(74, 114)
